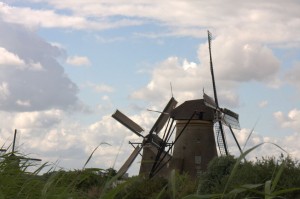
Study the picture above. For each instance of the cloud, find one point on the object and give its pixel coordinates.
(240, 61)
(106, 104)
(173, 70)
(23, 103)
(101, 39)
(41, 119)
(289, 144)
(188, 81)
(78, 61)
(40, 80)
(33, 18)
(53, 135)
(4, 91)
(293, 75)
(263, 104)
(100, 88)
(36, 66)
(291, 120)
(265, 22)
(235, 61)
(9, 59)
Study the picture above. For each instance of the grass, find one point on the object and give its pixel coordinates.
(226, 177)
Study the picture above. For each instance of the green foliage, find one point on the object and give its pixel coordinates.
(180, 185)
(177, 186)
(265, 178)
(218, 170)
(226, 177)
(16, 182)
(142, 188)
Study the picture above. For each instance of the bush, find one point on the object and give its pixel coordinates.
(252, 175)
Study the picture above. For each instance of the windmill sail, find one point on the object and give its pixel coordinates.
(129, 161)
(231, 118)
(14, 142)
(209, 101)
(31, 159)
(164, 116)
(12, 155)
(221, 142)
(219, 139)
(126, 121)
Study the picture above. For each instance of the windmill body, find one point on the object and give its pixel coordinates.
(151, 145)
(196, 146)
(150, 151)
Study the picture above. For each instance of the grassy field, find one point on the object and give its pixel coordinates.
(226, 177)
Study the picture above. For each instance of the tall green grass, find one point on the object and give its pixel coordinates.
(21, 178)
(226, 177)
(267, 178)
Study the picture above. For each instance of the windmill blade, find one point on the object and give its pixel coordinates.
(220, 138)
(14, 142)
(30, 159)
(163, 117)
(220, 130)
(209, 101)
(129, 161)
(231, 118)
(236, 141)
(126, 121)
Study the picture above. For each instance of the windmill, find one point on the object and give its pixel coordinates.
(197, 123)
(195, 145)
(151, 143)
(13, 159)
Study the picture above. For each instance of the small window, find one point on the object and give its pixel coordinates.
(197, 159)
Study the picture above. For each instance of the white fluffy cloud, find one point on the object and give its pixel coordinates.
(9, 59)
(234, 62)
(186, 81)
(238, 60)
(51, 19)
(267, 22)
(40, 82)
(42, 119)
(291, 120)
(78, 61)
(288, 143)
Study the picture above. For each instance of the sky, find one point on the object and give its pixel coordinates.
(66, 66)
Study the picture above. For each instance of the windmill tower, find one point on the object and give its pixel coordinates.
(196, 145)
(151, 144)
(199, 126)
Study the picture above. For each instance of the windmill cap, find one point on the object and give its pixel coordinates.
(187, 109)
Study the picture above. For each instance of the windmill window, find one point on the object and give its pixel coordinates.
(198, 160)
